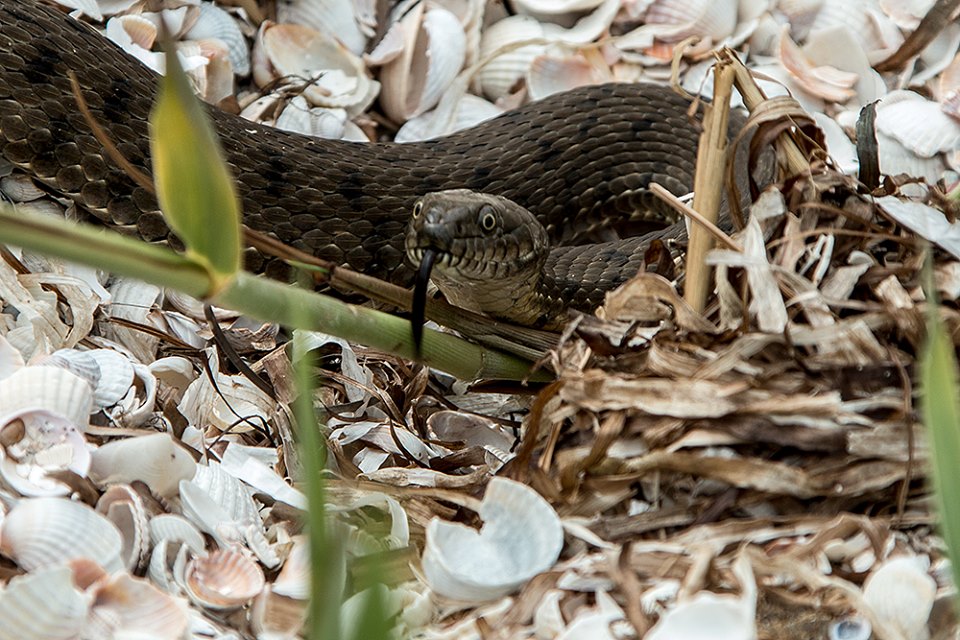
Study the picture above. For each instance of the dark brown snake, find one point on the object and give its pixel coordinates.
(580, 162)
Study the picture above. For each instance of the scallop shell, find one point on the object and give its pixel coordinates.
(156, 460)
(432, 52)
(43, 605)
(40, 532)
(901, 594)
(294, 578)
(37, 443)
(339, 77)
(136, 302)
(333, 124)
(173, 528)
(877, 32)
(521, 537)
(470, 110)
(824, 81)
(555, 7)
(135, 408)
(128, 607)
(218, 503)
(336, 18)
(225, 579)
(917, 123)
(51, 388)
(125, 508)
(214, 22)
(116, 376)
(499, 75)
(550, 74)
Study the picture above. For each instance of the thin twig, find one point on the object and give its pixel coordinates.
(691, 213)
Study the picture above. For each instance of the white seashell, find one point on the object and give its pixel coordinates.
(841, 149)
(51, 388)
(826, 81)
(554, 7)
(40, 532)
(43, 605)
(37, 443)
(838, 48)
(174, 528)
(294, 578)
(850, 629)
(174, 374)
(878, 33)
(550, 74)
(521, 537)
(470, 110)
(716, 19)
(338, 77)
(707, 615)
(499, 75)
(214, 22)
(116, 376)
(432, 54)
(168, 562)
(136, 35)
(901, 594)
(895, 159)
(219, 504)
(224, 579)
(135, 408)
(156, 460)
(136, 302)
(906, 14)
(917, 123)
(275, 616)
(128, 607)
(125, 508)
(83, 7)
(10, 358)
(231, 403)
(209, 68)
(333, 124)
(77, 362)
(335, 17)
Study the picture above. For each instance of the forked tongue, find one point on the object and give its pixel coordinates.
(419, 308)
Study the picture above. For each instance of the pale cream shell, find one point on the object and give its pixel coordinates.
(128, 607)
(52, 388)
(39, 532)
(336, 18)
(521, 537)
(224, 579)
(36, 444)
(214, 22)
(901, 594)
(502, 70)
(155, 459)
(126, 510)
(43, 605)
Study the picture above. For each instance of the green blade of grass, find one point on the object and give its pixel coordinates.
(194, 187)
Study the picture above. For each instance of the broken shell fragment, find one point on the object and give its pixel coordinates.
(48, 387)
(36, 443)
(125, 508)
(155, 460)
(521, 537)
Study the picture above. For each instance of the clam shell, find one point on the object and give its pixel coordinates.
(825, 81)
(138, 303)
(338, 19)
(136, 35)
(333, 124)
(51, 388)
(40, 532)
(128, 607)
(432, 53)
(219, 504)
(224, 579)
(214, 22)
(37, 443)
(901, 594)
(521, 537)
(918, 124)
(116, 376)
(168, 563)
(339, 77)
(294, 578)
(550, 74)
(470, 110)
(499, 75)
(125, 508)
(136, 407)
(156, 460)
(43, 605)
(173, 528)
(877, 32)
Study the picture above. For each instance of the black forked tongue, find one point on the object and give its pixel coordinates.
(419, 308)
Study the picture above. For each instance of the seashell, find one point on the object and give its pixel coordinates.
(40, 532)
(853, 628)
(207, 63)
(333, 124)
(125, 508)
(499, 75)
(174, 374)
(219, 504)
(168, 563)
(549, 74)
(79, 363)
(431, 55)
(51, 388)
(877, 32)
(83, 7)
(712, 18)
(895, 158)
(173, 528)
(294, 578)
(136, 35)
(214, 22)
(826, 82)
(135, 408)
(917, 123)
(706, 615)
(10, 358)
(337, 19)
(470, 110)
(906, 14)
(842, 151)
(901, 594)
(838, 48)
(37, 443)
(220, 403)
(521, 537)
(43, 605)
(116, 376)
(136, 302)
(275, 616)
(543, 8)
(128, 607)
(338, 77)
(156, 460)
(224, 579)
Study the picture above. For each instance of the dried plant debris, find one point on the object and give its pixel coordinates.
(758, 468)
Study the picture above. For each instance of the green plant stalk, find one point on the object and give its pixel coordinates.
(941, 415)
(255, 296)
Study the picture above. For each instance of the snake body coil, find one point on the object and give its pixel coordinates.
(580, 161)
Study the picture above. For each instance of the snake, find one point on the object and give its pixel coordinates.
(580, 163)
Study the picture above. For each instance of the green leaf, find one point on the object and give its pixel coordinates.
(941, 415)
(194, 187)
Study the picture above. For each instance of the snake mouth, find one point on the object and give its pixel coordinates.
(418, 311)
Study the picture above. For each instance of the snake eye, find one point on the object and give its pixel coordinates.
(488, 220)
(417, 209)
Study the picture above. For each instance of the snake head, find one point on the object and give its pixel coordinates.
(484, 252)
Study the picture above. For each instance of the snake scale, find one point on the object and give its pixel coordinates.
(579, 161)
